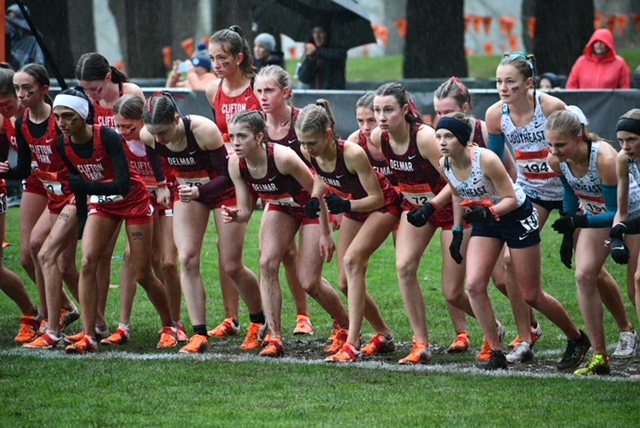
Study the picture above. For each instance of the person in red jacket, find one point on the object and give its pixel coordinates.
(600, 67)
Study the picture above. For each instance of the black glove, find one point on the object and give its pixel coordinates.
(619, 251)
(337, 205)
(76, 183)
(478, 215)
(566, 249)
(454, 247)
(569, 222)
(312, 208)
(618, 230)
(420, 216)
(629, 227)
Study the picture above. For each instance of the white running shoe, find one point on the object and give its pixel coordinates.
(521, 353)
(627, 346)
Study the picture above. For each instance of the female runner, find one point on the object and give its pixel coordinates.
(412, 155)
(587, 168)
(625, 242)
(35, 135)
(478, 179)
(453, 96)
(195, 152)
(278, 176)
(129, 121)
(10, 283)
(231, 93)
(371, 209)
(519, 117)
(99, 169)
(274, 91)
(104, 84)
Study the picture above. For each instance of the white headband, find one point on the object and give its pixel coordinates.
(79, 104)
(581, 117)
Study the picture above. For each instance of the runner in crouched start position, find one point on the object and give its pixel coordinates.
(99, 171)
(371, 208)
(193, 148)
(500, 213)
(277, 175)
(587, 167)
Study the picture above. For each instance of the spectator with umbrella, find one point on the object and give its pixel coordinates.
(324, 65)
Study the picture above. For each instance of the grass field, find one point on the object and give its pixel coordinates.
(389, 67)
(137, 385)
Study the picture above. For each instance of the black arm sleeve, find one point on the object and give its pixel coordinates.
(156, 163)
(23, 169)
(219, 161)
(113, 145)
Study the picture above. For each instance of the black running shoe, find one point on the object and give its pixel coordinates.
(498, 361)
(575, 352)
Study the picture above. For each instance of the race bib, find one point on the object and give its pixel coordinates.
(105, 199)
(533, 165)
(195, 178)
(50, 182)
(592, 204)
(417, 194)
(283, 201)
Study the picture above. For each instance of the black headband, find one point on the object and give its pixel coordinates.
(628, 124)
(459, 129)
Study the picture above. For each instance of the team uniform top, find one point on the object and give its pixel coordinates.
(106, 116)
(225, 107)
(37, 154)
(192, 167)
(589, 191)
(291, 139)
(531, 149)
(634, 197)
(139, 161)
(478, 138)
(347, 185)
(103, 161)
(417, 179)
(377, 165)
(478, 188)
(275, 188)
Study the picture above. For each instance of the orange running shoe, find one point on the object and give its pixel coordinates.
(228, 327)
(82, 346)
(461, 344)
(197, 345)
(485, 353)
(46, 341)
(348, 354)
(29, 326)
(119, 337)
(168, 337)
(303, 325)
(334, 328)
(378, 345)
(274, 349)
(255, 337)
(74, 337)
(420, 354)
(339, 339)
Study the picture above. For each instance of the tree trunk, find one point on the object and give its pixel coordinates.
(144, 27)
(65, 42)
(227, 13)
(434, 45)
(563, 28)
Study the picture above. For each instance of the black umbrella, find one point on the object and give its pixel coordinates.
(346, 21)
